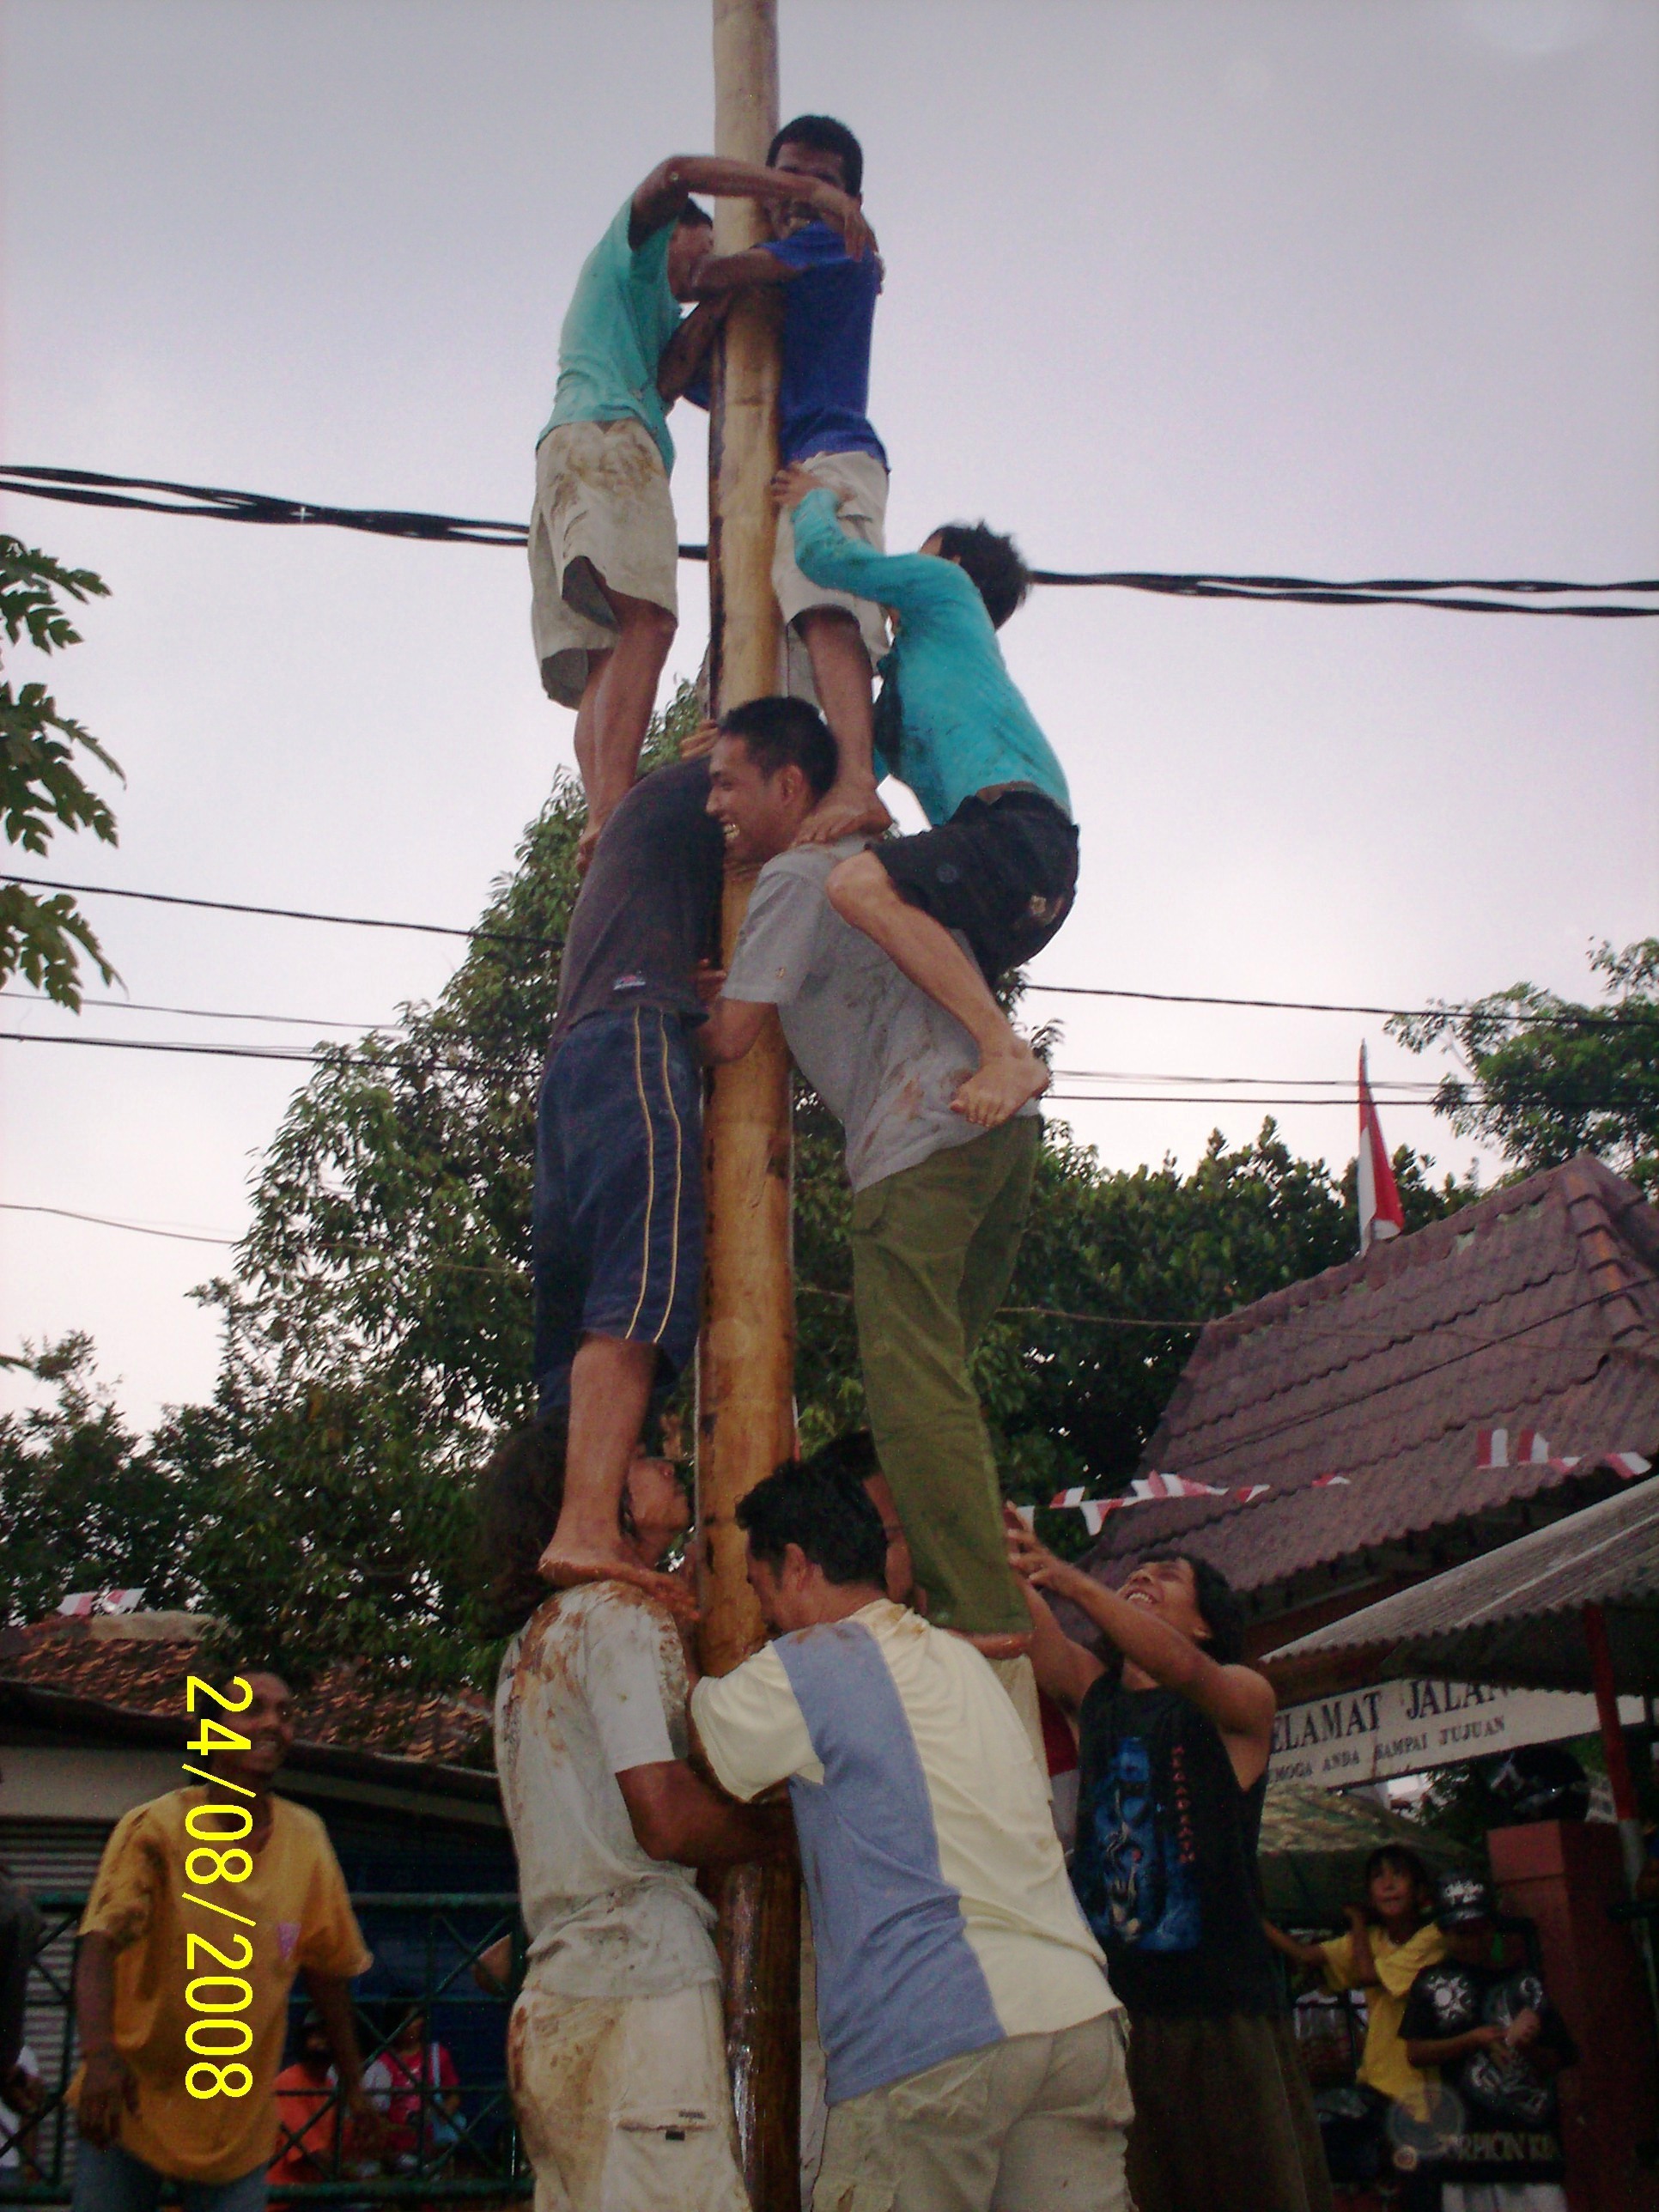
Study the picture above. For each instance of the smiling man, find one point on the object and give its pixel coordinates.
(145, 2131)
(1174, 1733)
(938, 1205)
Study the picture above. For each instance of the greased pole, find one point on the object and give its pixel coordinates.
(746, 1359)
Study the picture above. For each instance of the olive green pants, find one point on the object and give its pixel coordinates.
(933, 1247)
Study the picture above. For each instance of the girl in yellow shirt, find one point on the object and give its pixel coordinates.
(1391, 1938)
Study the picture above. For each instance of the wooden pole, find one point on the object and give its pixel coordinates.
(746, 1359)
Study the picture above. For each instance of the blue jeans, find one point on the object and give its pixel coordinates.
(113, 2180)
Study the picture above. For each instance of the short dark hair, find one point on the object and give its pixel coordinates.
(853, 1453)
(993, 562)
(824, 1510)
(825, 136)
(1403, 1859)
(694, 215)
(1218, 1602)
(783, 733)
(518, 1496)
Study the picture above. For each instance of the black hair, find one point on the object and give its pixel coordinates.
(694, 215)
(518, 1496)
(1404, 1860)
(825, 136)
(853, 1454)
(993, 562)
(1217, 1602)
(783, 733)
(827, 1512)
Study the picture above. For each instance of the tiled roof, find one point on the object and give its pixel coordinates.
(340, 1710)
(1536, 1308)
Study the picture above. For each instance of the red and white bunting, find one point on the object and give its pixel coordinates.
(1157, 1489)
(1502, 1447)
(80, 1604)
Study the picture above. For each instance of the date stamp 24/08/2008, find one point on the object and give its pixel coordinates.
(219, 1830)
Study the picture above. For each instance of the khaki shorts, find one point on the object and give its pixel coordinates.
(603, 515)
(1033, 2123)
(862, 481)
(624, 2103)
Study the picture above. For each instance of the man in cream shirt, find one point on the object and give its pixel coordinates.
(974, 2048)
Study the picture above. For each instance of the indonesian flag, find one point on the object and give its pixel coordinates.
(1380, 1214)
(80, 1604)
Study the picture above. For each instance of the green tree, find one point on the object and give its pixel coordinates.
(1543, 1078)
(84, 1504)
(41, 938)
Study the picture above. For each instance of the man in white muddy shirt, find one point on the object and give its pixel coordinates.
(617, 2049)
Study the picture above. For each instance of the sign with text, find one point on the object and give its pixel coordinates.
(1420, 1722)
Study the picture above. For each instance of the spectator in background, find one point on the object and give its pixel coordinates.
(617, 2044)
(1498, 2043)
(1391, 1937)
(140, 2128)
(309, 2146)
(415, 2084)
(20, 2077)
(1174, 1734)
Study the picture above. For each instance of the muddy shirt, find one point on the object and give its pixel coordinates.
(883, 1057)
(592, 1684)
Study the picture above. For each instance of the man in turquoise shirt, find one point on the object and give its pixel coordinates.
(602, 542)
(999, 862)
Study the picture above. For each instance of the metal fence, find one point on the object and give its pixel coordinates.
(446, 2131)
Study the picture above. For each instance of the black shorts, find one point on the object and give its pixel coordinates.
(1002, 870)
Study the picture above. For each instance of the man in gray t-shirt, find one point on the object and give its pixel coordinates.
(938, 1205)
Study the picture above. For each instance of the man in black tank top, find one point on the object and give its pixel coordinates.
(1174, 1733)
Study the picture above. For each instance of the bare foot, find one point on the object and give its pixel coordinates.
(998, 1643)
(848, 809)
(566, 1564)
(1000, 1087)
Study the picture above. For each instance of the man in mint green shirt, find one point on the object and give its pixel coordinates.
(999, 861)
(602, 542)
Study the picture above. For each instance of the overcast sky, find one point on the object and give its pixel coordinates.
(1339, 288)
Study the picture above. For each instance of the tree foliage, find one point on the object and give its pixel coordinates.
(1544, 1077)
(378, 1325)
(42, 788)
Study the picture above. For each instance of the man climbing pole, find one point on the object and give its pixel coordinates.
(999, 863)
(829, 292)
(603, 542)
(938, 1205)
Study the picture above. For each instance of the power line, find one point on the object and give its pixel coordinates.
(103, 1221)
(284, 912)
(1589, 1018)
(200, 1013)
(1499, 595)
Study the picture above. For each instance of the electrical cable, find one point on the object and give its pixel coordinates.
(201, 1013)
(1501, 595)
(1588, 1017)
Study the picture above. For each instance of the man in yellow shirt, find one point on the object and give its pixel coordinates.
(174, 1911)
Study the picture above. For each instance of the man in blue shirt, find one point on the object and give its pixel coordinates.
(828, 306)
(603, 542)
(999, 862)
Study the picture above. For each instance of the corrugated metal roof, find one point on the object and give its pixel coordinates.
(1514, 1615)
(1536, 1308)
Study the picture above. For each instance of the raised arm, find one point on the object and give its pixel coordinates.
(1237, 1699)
(913, 584)
(1064, 1668)
(684, 356)
(672, 182)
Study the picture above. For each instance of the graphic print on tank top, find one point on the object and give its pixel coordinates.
(1137, 1879)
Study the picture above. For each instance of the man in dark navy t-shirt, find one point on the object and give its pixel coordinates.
(616, 1237)
(829, 307)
